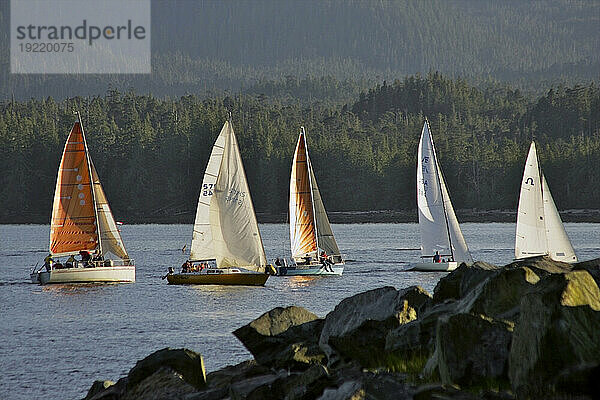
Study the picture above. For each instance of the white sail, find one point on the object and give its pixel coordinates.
(459, 245)
(531, 228)
(559, 245)
(202, 243)
(325, 239)
(540, 230)
(437, 222)
(110, 237)
(236, 239)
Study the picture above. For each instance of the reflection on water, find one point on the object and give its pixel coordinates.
(85, 332)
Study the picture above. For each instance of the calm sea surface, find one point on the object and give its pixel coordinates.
(58, 339)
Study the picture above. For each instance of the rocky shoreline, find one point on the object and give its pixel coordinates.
(336, 217)
(527, 330)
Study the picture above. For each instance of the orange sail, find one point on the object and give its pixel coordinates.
(302, 222)
(73, 224)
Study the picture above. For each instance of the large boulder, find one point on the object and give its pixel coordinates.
(591, 266)
(97, 387)
(164, 384)
(542, 265)
(409, 346)
(356, 329)
(499, 295)
(459, 282)
(187, 363)
(472, 349)
(284, 338)
(558, 331)
(356, 384)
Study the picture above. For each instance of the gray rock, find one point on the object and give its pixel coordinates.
(472, 349)
(365, 317)
(591, 266)
(558, 330)
(97, 387)
(110, 392)
(187, 363)
(542, 265)
(369, 386)
(499, 295)
(410, 345)
(460, 281)
(284, 338)
(233, 373)
(255, 388)
(164, 384)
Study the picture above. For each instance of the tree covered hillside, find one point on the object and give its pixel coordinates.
(151, 153)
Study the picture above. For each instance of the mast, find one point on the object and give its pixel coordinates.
(438, 173)
(312, 199)
(89, 162)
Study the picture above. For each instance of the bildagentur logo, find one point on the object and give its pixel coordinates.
(89, 33)
(80, 36)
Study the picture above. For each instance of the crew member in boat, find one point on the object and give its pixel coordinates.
(48, 261)
(436, 257)
(324, 258)
(70, 261)
(97, 256)
(85, 257)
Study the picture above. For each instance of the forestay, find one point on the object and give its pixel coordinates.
(439, 227)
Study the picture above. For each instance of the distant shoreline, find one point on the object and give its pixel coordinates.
(338, 217)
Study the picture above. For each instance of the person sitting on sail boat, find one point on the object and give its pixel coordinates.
(70, 261)
(436, 257)
(85, 257)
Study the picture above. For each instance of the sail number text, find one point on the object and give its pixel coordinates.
(425, 171)
(236, 196)
(207, 189)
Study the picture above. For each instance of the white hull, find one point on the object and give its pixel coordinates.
(431, 266)
(315, 269)
(86, 275)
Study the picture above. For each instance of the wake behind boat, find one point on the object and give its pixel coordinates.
(314, 249)
(227, 248)
(82, 223)
(540, 230)
(443, 246)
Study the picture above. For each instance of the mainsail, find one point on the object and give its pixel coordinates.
(437, 221)
(309, 226)
(81, 216)
(540, 230)
(225, 211)
(73, 223)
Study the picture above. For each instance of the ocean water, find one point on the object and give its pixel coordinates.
(58, 339)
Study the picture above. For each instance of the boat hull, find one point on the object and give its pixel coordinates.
(441, 266)
(226, 277)
(318, 269)
(87, 275)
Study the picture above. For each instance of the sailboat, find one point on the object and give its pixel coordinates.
(82, 223)
(443, 246)
(227, 248)
(540, 230)
(313, 246)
